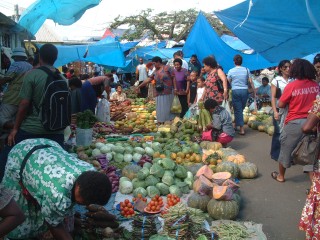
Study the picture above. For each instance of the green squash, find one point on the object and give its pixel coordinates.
(236, 197)
(228, 167)
(248, 170)
(198, 201)
(223, 209)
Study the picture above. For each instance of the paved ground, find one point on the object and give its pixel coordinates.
(276, 205)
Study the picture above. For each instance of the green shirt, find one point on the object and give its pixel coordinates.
(33, 89)
(49, 176)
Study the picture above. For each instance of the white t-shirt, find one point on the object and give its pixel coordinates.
(142, 72)
(280, 82)
(184, 64)
(200, 92)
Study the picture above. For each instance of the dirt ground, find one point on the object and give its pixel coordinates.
(277, 206)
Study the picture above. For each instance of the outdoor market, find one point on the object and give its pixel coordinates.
(210, 131)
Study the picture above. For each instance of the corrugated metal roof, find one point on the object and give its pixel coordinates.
(47, 34)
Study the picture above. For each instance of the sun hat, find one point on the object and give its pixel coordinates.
(19, 52)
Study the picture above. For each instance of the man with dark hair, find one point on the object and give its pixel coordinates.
(49, 184)
(28, 123)
(14, 78)
(194, 65)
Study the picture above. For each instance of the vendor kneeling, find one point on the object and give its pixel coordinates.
(48, 185)
(118, 95)
(221, 128)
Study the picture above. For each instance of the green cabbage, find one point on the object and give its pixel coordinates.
(167, 163)
(167, 178)
(141, 191)
(157, 170)
(147, 165)
(118, 149)
(143, 173)
(152, 191)
(136, 157)
(138, 183)
(127, 157)
(151, 180)
(139, 150)
(163, 188)
(149, 151)
(183, 187)
(125, 187)
(128, 150)
(174, 189)
(118, 157)
(180, 172)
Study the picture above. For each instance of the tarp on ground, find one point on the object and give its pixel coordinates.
(110, 54)
(63, 12)
(234, 42)
(277, 29)
(204, 41)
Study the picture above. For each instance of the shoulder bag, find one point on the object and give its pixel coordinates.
(307, 150)
(278, 91)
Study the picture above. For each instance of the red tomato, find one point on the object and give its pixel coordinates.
(126, 201)
(131, 211)
(123, 213)
(158, 208)
(153, 208)
(129, 205)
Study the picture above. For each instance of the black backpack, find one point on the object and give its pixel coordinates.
(55, 106)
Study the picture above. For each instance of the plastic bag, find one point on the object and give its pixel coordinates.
(192, 112)
(176, 106)
(103, 110)
(225, 105)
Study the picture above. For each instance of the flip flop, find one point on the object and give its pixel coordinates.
(242, 133)
(275, 175)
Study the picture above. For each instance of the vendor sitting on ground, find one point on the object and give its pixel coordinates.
(222, 128)
(263, 94)
(118, 95)
(54, 181)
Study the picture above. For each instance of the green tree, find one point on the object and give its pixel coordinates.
(173, 25)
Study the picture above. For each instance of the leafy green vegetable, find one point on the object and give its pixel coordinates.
(152, 191)
(151, 180)
(163, 188)
(167, 164)
(143, 173)
(180, 172)
(141, 191)
(138, 183)
(174, 189)
(157, 170)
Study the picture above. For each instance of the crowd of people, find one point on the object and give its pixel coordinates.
(293, 96)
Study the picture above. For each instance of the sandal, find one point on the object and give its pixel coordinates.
(242, 133)
(275, 175)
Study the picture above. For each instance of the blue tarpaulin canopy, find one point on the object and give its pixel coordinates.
(277, 29)
(149, 52)
(63, 12)
(234, 42)
(204, 41)
(105, 54)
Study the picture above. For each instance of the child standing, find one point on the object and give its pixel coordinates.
(200, 89)
(193, 88)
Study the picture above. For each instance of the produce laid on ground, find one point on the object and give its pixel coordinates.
(260, 121)
(170, 176)
(118, 110)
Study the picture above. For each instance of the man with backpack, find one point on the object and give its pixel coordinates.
(45, 106)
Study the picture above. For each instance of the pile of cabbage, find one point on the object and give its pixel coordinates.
(123, 151)
(161, 177)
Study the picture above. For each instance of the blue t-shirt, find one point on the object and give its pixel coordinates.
(239, 77)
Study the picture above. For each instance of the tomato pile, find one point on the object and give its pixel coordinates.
(139, 196)
(126, 209)
(155, 204)
(172, 200)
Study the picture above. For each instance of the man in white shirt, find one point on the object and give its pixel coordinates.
(141, 75)
(115, 76)
(178, 54)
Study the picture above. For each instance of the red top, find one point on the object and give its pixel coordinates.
(211, 89)
(300, 95)
(165, 74)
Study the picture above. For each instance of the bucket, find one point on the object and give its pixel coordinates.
(84, 136)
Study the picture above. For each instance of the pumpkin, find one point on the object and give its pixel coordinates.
(255, 125)
(202, 186)
(237, 159)
(228, 167)
(252, 118)
(270, 130)
(198, 201)
(236, 197)
(131, 171)
(220, 177)
(223, 209)
(250, 124)
(261, 128)
(205, 171)
(248, 170)
(222, 193)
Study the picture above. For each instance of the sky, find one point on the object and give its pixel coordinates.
(96, 20)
